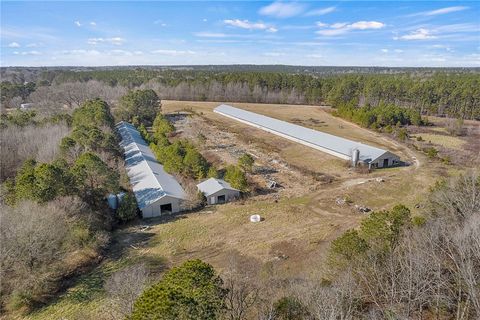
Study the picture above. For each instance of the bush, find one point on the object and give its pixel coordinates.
(190, 291)
(212, 172)
(236, 177)
(348, 246)
(246, 162)
(127, 210)
(289, 308)
(402, 134)
(431, 152)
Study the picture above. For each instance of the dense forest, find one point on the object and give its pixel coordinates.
(445, 92)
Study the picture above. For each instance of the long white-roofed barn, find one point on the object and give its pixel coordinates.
(218, 191)
(156, 191)
(340, 147)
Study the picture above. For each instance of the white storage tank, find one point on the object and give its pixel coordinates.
(112, 201)
(355, 157)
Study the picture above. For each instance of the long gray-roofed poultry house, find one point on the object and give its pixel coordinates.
(354, 151)
(156, 191)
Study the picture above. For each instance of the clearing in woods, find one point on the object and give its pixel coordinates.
(315, 202)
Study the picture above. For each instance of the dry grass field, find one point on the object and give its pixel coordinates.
(300, 219)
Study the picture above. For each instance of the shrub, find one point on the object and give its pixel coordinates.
(289, 308)
(246, 162)
(349, 245)
(127, 210)
(402, 134)
(431, 152)
(236, 177)
(212, 172)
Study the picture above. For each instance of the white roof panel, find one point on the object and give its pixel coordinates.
(149, 180)
(212, 185)
(336, 144)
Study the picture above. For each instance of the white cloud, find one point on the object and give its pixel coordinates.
(398, 50)
(338, 25)
(33, 45)
(245, 24)
(115, 41)
(321, 24)
(384, 50)
(444, 10)
(93, 23)
(173, 52)
(77, 23)
(419, 34)
(27, 53)
(343, 27)
(363, 25)
(14, 45)
(204, 20)
(314, 56)
(321, 12)
(282, 9)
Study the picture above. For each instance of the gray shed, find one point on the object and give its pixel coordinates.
(156, 191)
(218, 191)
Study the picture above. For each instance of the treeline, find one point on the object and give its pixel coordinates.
(55, 219)
(437, 93)
(381, 116)
(440, 93)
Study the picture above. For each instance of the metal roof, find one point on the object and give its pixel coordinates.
(149, 180)
(212, 185)
(341, 146)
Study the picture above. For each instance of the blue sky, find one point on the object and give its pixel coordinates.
(343, 33)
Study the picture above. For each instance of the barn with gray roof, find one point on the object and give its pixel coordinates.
(354, 151)
(156, 191)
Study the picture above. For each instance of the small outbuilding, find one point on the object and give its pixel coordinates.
(218, 191)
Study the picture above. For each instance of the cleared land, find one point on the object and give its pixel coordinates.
(301, 217)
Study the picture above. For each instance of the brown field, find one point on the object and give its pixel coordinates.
(301, 218)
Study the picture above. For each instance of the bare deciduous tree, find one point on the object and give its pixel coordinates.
(123, 288)
(18, 144)
(240, 279)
